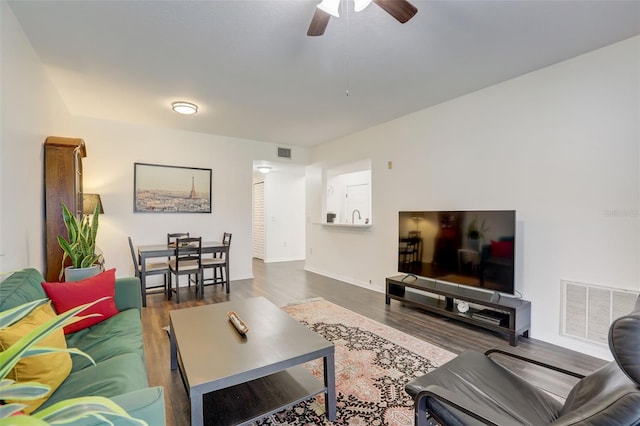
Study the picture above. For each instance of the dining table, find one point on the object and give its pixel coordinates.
(165, 250)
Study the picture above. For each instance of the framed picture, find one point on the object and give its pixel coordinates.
(171, 189)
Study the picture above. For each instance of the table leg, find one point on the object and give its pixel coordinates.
(197, 416)
(173, 348)
(330, 383)
(143, 279)
(226, 268)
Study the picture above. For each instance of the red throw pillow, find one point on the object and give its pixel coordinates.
(68, 295)
(502, 248)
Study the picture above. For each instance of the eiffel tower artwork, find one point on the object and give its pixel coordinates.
(165, 189)
(193, 194)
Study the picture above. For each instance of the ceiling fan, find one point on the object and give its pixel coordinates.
(402, 10)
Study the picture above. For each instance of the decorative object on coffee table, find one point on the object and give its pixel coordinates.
(240, 326)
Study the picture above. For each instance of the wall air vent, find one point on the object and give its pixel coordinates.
(284, 152)
(588, 310)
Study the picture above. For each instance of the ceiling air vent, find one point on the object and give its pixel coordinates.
(284, 152)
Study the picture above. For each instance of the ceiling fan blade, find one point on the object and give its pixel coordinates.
(402, 10)
(318, 23)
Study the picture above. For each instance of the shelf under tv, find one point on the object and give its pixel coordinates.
(505, 314)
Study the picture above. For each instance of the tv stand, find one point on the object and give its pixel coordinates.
(503, 314)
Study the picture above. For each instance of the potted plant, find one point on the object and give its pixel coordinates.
(475, 233)
(80, 245)
(62, 412)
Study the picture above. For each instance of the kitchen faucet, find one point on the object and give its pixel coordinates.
(353, 214)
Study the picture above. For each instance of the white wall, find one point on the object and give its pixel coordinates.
(113, 148)
(30, 110)
(559, 145)
(284, 214)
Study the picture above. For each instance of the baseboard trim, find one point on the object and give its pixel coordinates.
(284, 259)
(344, 279)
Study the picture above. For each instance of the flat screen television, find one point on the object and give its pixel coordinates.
(470, 248)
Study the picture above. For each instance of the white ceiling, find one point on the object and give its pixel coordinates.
(255, 74)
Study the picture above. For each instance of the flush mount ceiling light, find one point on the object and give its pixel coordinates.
(264, 169)
(186, 108)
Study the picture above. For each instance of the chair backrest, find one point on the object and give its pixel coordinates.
(188, 250)
(226, 239)
(172, 237)
(134, 258)
(610, 395)
(412, 242)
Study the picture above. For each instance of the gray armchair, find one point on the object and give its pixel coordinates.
(473, 389)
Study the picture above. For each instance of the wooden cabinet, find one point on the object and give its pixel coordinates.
(62, 184)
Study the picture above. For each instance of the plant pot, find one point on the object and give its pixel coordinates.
(77, 274)
(474, 244)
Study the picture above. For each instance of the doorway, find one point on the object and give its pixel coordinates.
(258, 220)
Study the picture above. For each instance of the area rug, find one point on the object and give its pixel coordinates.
(373, 362)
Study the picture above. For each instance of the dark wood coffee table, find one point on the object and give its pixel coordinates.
(237, 379)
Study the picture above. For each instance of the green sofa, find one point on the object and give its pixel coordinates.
(115, 344)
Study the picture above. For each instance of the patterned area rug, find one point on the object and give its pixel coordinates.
(373, 363)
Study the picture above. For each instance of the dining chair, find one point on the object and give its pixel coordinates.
(218, 264)
(173, 236)
(151, 268)
(408, 249)
(186, 261)
(171, 241)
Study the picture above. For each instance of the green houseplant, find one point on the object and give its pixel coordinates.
(63, 412)
(80, 244)
(475, 233)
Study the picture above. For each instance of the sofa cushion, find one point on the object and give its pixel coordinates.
(121, 334)
(38, 368)
(502, 248)
(146, 404)
(128, 294)
(69, 295)
(111, 377)
(21, 287)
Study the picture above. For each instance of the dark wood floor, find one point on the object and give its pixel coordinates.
(287, 282)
